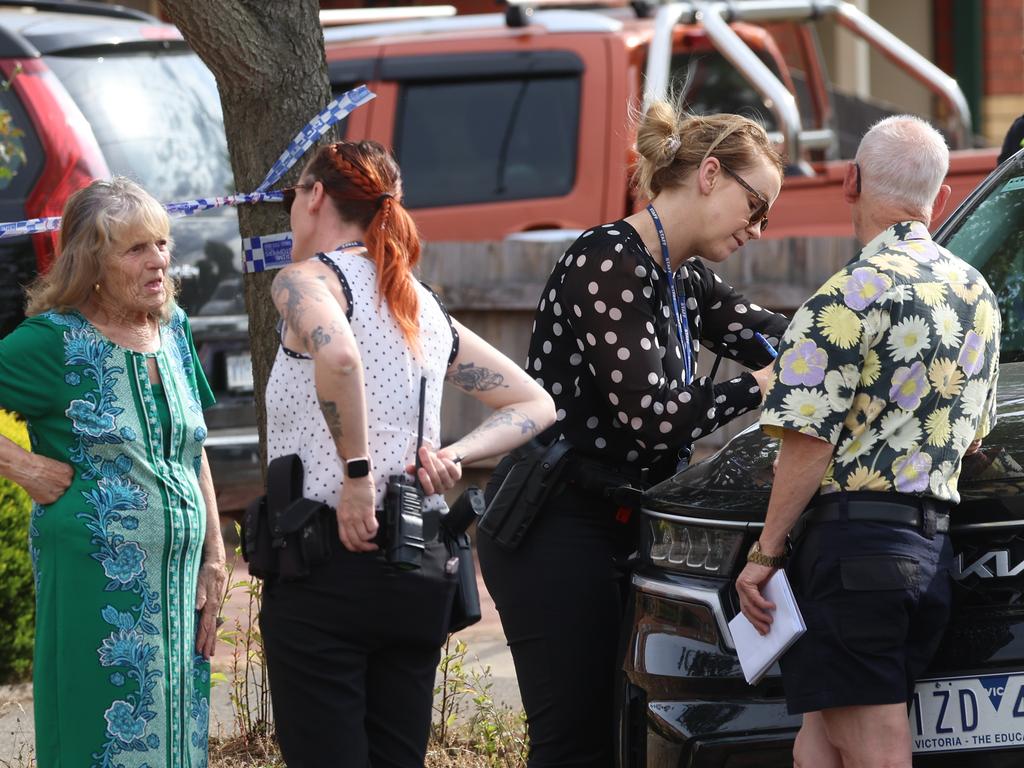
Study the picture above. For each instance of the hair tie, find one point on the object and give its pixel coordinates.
(672, 144)
(385, 196)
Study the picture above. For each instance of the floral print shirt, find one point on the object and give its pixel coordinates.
(894, 361)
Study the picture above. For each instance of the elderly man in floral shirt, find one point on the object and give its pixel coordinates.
(886, 377)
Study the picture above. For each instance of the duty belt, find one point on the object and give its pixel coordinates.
(929, 515)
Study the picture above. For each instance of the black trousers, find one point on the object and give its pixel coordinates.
(560, 596)
(352, 653)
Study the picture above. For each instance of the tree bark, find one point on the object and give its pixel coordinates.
(268, 58)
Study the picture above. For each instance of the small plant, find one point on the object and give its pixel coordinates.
(22, 751)
(250, 687)
(469, 729)
(17, 589)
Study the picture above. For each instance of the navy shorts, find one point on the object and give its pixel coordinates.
(876, 600)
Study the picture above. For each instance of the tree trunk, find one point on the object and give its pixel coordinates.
(268, 58)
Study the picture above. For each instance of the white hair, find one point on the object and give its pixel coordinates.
(903, 160)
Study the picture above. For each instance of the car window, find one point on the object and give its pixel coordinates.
(991, 238)
(490, 140)
(711, 84)
(157, 118)
(21, 158)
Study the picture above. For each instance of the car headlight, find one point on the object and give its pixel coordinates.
(692, 548)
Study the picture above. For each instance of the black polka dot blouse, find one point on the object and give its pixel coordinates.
(604, 345)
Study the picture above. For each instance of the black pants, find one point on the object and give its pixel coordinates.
(352, 653)
(560, 597)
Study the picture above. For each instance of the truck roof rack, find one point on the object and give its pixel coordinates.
(336, 17)
(716, 17)
(519, 13)
(82, 7)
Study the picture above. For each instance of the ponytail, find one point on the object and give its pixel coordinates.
(363, 182)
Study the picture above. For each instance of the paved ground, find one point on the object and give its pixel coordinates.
(485, 641)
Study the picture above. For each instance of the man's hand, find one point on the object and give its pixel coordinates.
(213, 578)
(763, 376)
(439, 472)
(973, 448)
(357, 521)
(753, 604)
(46, 479)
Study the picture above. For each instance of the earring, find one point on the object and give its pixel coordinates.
(96, 288)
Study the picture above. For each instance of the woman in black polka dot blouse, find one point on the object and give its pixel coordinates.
(616, 343)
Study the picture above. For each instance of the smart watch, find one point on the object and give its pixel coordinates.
(357, 467)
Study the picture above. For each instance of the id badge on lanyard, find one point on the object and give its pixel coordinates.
(681, 322)
(678, 307)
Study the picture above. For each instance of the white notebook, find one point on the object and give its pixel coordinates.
(758, 652)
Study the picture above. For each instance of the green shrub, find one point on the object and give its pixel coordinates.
(17, 594)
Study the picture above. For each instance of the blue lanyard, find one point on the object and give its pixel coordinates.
(678, 308)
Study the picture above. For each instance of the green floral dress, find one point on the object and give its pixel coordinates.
(118, 683)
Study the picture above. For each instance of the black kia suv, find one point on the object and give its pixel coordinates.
(684, 701)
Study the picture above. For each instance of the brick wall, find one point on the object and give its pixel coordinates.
(1003, 33)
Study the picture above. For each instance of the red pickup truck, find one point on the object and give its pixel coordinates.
(519, 121)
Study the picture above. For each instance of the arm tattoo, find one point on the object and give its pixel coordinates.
(470, 377)
(319, 338)
(330, 411)
(508, 417)
(298, 296)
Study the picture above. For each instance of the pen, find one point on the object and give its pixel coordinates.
(766, 345)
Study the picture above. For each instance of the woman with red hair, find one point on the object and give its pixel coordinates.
(352, 649)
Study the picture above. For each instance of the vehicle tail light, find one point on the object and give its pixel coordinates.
(691, 548)
(73, 157)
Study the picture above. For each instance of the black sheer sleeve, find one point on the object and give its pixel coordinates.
(614, 304)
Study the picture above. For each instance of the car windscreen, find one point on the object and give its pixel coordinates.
(157, 118)
(708, 83)
(990, 237)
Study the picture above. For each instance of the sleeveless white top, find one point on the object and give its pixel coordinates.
(391, 373)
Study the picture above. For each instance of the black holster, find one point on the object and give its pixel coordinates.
(284, 535)
(466, 509)
(532, 472)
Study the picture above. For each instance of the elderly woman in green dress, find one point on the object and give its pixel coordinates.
(124, 534)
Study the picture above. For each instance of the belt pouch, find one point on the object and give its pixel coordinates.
(532, 475)
(257, 548)
(466, 607)
(301, 537)
(283, 534)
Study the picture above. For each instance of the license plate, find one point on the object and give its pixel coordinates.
(239, 371)
(967, 713)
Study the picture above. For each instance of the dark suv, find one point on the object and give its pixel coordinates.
(93, 90)
(684, 699)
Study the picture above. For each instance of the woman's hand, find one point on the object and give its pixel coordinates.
(46, 479)
(439, 470)
(357, 521)
(213, 578)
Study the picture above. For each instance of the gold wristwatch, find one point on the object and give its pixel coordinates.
(756, 556)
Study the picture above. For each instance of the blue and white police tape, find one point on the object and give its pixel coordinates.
(29, 227)
(265, 252)
(190, 207)
(332, 114)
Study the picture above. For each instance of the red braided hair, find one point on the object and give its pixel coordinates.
(364, 183)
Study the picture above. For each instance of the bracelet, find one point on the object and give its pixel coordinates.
(756, 556)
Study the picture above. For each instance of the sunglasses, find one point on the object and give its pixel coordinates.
(759, 214)
(288, 194)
